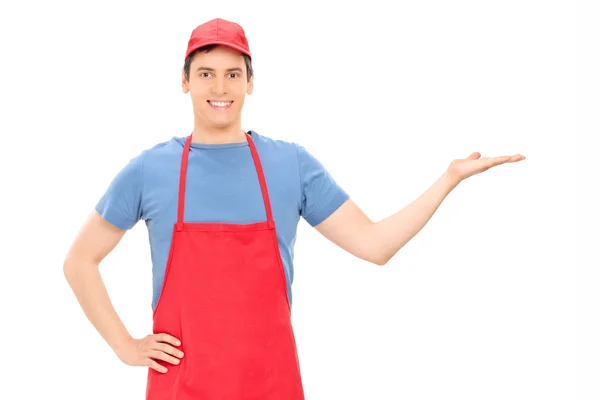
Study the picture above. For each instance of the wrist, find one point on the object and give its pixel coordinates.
(121, 343)
(449, 181)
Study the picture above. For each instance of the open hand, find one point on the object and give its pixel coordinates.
(145, 351)
(461, 169)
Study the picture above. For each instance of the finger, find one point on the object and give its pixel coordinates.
(488, 162)
(483, 164)
(166, 338)
(508, 159)
(159, 355)
(500, 160)
(155, 366)
(165, 348)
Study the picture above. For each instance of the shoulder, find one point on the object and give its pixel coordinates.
(168, 148)
(146, 163)
(274, 146)
(156, 156)
(283, 151)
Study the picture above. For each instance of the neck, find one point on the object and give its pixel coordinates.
(213, 135)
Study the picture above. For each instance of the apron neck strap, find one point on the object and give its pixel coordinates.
(259, 171)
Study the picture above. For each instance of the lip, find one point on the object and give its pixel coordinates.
(220, 108)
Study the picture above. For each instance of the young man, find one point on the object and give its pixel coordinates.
(222, 206)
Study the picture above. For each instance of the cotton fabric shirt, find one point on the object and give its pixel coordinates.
(222, 186)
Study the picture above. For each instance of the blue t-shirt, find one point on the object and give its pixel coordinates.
(222, 186)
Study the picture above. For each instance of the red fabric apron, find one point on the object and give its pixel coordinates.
(224, 296)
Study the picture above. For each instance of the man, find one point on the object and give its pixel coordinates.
(222, 206)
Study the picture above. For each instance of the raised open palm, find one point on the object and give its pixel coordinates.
(463, 168)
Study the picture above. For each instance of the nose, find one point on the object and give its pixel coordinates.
(218, 87)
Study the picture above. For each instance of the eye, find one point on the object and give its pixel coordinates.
(202, 74)
(234, 75)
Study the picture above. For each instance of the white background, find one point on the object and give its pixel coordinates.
(481, 304)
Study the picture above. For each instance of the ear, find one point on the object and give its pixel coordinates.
(250, 85)
(184, 82)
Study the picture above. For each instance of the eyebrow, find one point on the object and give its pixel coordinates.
(201, 68)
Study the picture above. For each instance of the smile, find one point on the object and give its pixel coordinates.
(220, 105)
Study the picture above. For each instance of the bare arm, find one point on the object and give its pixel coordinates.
(96, 239)
(349, 228)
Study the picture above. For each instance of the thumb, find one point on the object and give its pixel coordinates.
(474, 156)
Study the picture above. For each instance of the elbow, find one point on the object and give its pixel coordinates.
(381, 263)
(379, 260)
(378, 255)
(69, 270)
(381, 255)
(72, 268)
(378, 248)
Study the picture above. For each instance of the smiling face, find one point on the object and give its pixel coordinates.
(218, 84)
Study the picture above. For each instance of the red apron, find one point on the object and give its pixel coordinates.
(224, 296)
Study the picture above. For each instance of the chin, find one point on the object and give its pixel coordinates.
(221, 124)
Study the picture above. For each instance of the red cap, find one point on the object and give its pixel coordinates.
(219, 31)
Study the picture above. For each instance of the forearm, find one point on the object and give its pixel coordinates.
(392, 233)
(86, 282)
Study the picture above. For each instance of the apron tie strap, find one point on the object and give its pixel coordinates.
(259, 171)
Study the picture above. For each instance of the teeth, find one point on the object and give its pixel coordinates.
(220, 103)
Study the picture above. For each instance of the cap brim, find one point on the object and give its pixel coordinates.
(233, 46)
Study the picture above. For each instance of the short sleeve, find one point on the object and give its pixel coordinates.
(321, 194)
(120, 204)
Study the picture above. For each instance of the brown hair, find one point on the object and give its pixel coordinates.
(206, 49)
